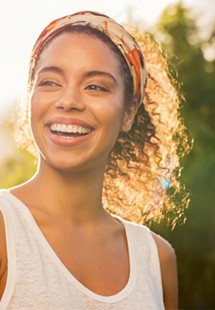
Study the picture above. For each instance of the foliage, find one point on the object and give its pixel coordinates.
(16, 170)
(179, 36)
(194, 241)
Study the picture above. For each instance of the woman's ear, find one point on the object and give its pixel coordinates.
(129, 115)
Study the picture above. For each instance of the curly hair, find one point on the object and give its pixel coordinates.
(142, 176)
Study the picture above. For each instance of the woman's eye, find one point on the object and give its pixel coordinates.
(97, 88)
(49, 83)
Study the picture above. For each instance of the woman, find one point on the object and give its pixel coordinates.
(59, 247)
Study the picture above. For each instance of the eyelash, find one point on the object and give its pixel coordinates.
(92, 87)
(97, 88)
(48, 83)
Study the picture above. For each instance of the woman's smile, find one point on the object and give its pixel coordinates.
(68, 131)
(77, 105)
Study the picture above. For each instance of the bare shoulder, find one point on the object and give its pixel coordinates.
(3, 256)
(165, 250)
(2, 242)
(169, 276)
(2, 238)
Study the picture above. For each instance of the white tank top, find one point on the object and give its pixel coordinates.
(38, 280)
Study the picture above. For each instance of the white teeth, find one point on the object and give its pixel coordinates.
(58, 127)
(75, 129)
(63, 128)
(69, 128)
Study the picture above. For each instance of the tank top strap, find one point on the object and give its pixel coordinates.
(9, 218)
(146, 252)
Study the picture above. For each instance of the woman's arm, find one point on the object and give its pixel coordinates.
(3, 257)
(168, 272)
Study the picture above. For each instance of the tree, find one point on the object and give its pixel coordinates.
(17, 169)
(194, 242)
(179, 37)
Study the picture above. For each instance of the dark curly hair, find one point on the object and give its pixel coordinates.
(141, 180)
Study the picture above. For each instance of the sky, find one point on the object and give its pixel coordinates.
(21, 21)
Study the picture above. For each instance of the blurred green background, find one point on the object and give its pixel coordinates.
(192, 62)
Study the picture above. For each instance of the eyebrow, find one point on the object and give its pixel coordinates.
(51, 69)
(95, 73)
(88, 74)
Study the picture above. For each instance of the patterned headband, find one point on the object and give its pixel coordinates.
(118, 35)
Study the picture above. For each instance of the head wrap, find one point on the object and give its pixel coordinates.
(118, 35)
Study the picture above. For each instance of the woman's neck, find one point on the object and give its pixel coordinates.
(75, 196)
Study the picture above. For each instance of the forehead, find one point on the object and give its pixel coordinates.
(71, 47)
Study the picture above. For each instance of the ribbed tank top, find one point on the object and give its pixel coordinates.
(37, 279)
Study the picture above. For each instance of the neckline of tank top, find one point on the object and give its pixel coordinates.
(56, 260)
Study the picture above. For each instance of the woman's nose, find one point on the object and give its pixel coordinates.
(70, 99)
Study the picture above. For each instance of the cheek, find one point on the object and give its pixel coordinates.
(113, 111)
(112, 119)
(37, 106)
(36, 109)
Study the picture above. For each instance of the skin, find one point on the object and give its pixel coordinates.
(78, 229)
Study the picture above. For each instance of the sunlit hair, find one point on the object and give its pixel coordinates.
(142, 176)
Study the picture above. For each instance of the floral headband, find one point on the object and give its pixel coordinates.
(118, 35)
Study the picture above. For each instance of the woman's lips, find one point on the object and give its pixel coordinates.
(68, 131)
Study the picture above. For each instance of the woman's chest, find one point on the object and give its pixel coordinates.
(100, 264)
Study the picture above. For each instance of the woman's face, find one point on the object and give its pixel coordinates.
(77, 102)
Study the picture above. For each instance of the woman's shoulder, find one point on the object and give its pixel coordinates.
(165, 249)
(2, 231)
(3, 256)
(2, 244)
(2, 234)
(168, 267)
(167, 261)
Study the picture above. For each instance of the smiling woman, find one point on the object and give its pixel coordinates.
(104, 154)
